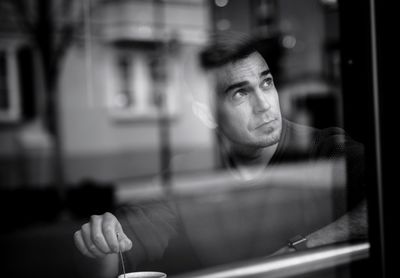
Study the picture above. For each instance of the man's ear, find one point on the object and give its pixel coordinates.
(203, 112)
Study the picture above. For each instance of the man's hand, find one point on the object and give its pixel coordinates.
(98, 237)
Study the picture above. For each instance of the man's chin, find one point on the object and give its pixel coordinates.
(259, 141)
(262, 143)
(268, 144)
(269, 139)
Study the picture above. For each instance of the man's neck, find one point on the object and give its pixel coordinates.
(253, 156)
(250, 163)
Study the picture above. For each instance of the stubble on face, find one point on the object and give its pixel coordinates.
(240, 124)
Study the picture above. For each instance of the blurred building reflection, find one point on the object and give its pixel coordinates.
(108, 128)
(97, 96)
(110, 80)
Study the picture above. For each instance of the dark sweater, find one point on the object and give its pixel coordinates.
(194, 233)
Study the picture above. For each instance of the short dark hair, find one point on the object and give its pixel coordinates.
(226, 47)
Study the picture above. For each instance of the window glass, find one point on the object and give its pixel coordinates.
(193, 136)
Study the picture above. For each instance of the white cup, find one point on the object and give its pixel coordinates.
(144, 274)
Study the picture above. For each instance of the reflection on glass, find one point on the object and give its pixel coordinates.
(260, 166)
(4, 101)
(123, 98)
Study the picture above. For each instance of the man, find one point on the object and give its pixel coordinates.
(253, 135)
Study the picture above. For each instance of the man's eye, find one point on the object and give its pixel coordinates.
(238, 95)
(267, 83)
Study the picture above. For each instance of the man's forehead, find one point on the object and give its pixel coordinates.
(241, 70)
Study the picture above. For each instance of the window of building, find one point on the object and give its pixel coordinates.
(9, 90)
(143, 82)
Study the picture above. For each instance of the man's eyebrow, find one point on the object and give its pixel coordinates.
(236, 85)
(265, 72)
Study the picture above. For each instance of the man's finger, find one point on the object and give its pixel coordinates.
(124, 242)
(80, 244)
(87, 239)
(97, 234)
(109, 230)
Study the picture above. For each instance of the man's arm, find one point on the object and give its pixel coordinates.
(151, 226)
(351, 226)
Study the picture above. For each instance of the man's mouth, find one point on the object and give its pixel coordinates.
(267, 122)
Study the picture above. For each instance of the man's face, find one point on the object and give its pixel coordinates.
(247, 107)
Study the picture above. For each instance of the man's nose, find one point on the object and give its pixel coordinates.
(260, 102)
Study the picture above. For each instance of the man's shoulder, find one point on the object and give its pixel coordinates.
(319, 133)
(317, 142)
